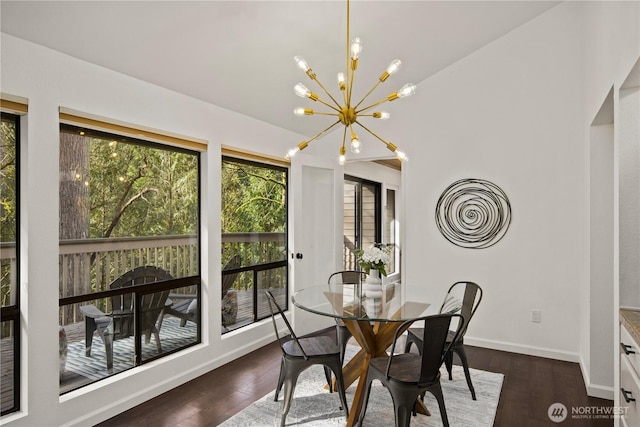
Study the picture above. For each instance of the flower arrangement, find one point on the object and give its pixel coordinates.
(375, 257)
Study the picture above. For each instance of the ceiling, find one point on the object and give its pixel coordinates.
(239, 54)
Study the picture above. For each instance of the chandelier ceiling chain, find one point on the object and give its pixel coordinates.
(346, 113)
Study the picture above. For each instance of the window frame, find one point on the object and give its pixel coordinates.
(257, 160)
(377, 187)
(12, 313)
(173, 145)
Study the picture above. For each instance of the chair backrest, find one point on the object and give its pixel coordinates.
(151, 304)
(275, 309)
(465, 296)
(435, 332)
(228, 279)
(346, 277)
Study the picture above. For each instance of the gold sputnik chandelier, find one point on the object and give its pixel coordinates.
(348, 113)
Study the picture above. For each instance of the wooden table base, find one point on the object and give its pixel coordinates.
(374, 339)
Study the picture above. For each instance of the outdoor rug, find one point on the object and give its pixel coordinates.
(314, 406)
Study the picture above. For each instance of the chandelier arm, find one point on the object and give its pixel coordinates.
(350, 87)
(368, 93)
(322, 132)
(327, 104)
(348, 94)
(382, 101)
(372, 132)
(322, 113)
(327, 92)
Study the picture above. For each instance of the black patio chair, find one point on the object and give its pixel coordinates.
(299, 354)
(408, 376)
(464, 297)
(119, 323)
(185, 306)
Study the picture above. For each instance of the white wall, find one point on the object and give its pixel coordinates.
(509, 113)
(611, 46)
(49, 80)
(517, 113)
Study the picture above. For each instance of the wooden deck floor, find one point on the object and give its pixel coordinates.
(75, 335)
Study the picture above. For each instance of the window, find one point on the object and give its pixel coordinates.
(129, 253)
(391, 230)
(254, 240)
(9, 243)
(361, 217)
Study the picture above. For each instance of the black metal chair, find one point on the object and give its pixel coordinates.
(299, 354)
(464, 297)
(408, 376)
(346, 277)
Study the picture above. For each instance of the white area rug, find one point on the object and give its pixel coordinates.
(314, 406)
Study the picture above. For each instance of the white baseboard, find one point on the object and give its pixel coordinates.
(593, 390)
(523, 349)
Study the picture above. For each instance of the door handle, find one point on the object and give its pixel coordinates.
(627, 395)
(627, 348)
(298, 255)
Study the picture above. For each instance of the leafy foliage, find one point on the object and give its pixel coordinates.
(138, 190)
(253, 198)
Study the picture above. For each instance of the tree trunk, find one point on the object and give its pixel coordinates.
(74, 187)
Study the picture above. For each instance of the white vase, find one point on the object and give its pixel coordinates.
(373, 284)
(372, 288)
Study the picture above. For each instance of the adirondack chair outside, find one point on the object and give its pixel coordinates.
(120, 322)
(185, 306)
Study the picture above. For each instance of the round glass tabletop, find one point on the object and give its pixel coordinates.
(350, 301)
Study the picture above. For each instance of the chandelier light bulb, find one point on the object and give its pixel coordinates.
(341, 81)
(356, 145)
(342, 157)
(302, 64)
(382, 115)
(394, 66)
(299, 111)
(302, 91)
(356, 48)
(406, 90)
(401, 156)
(292, 152)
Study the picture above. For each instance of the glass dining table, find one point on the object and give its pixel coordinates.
(373, 322)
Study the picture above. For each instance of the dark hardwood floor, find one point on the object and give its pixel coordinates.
(531, 385)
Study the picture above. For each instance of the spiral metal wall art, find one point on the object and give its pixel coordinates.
(473, 213)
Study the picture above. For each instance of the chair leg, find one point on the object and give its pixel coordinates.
(156, 334)
(436, 390)
(327, 375)
(448, 362)
(107, 338)
(290, 380)
(337, 371)
(342, 335)
(463, 358)
(89, 328)
(280, 381)
(407, 343)
(365, 400)
(411, 339)
(404, 401)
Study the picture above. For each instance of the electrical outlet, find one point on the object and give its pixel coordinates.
(536, 316)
